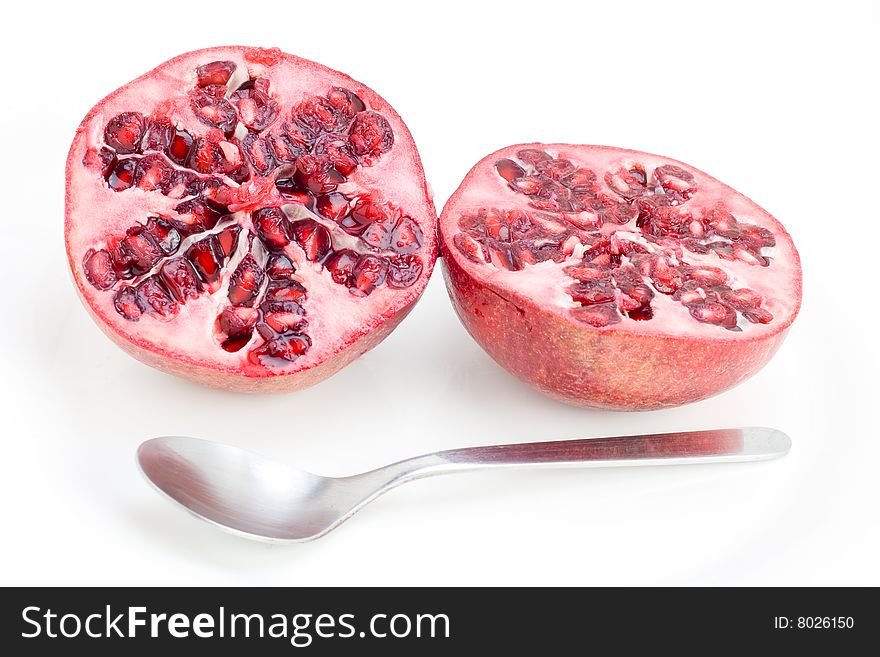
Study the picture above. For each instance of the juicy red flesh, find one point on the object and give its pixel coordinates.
(158, 266)
(618, 276)
(255, 108)
(215, 73)
(371, 134)
(124, 132)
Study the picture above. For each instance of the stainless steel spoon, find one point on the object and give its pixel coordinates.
(256, 497)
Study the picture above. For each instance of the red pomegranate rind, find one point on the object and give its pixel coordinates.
(207, 213)
(616, 279)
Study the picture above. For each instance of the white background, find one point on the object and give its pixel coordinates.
(780, 100)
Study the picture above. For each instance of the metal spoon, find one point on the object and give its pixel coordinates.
(256, 497)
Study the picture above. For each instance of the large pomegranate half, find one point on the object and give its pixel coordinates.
(247, 219)
(616, 279)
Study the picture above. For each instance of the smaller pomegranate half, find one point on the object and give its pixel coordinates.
(247, 219)
(616, 279)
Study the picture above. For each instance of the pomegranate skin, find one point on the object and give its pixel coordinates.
(615, 367)
(609, 369)
(395, 169)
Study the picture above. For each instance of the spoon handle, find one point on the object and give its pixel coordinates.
(714, 446)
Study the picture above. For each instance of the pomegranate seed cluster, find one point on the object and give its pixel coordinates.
(243, 151)
(632, 237)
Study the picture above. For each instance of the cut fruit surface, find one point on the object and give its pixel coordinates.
(247, 219)
(613, 278)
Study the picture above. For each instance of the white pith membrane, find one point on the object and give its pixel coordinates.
(486, 193)
(335, 316)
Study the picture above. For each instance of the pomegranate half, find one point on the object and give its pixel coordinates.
(247, 219)
(616, 279)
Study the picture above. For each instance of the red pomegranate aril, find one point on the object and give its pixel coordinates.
(154, 172)
(407, 237)
(555, 169)
(502, 257)
(630, 283)
(215, 112)
(287, 347)
(317, 115)
(650, 317)
(714, 313)
(259, 153)
(188, 183)
(281, 307)
(675, 181)
(272, 228)
(346, 103)
(245, 282)
(586, 274)
(285, 321)
(403, 271)
(377, 235)
(286, 149)
(690, 292)
(157, 135)
(532, 155)
(628, 183)
(124, 132)
(593, 291)
(509, 170)
(142, 250)
(198, 214)
(599, 315)
(256, 110)
(121, 259)
(218, 194)
(280, 267)
(180, 279)
(362, 214)
(339, 151)
(368, 274)
(98, 267)
(166, 236)
(238, 321)
(705, 274)
(206, 256)
(334, 206)
(215, 73)
(206, 157)
(371, 134)
(230, 174)
(340, 265)
(469, 247)
(154, 298)
(314, 239)
(127, 304)
(581, 181)
(180, 146)
(527, 185)
(758, 315)
(316, 174)
(228, 239)
(742, 298)
(122, 176)
(619, 213)
(287, 291)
